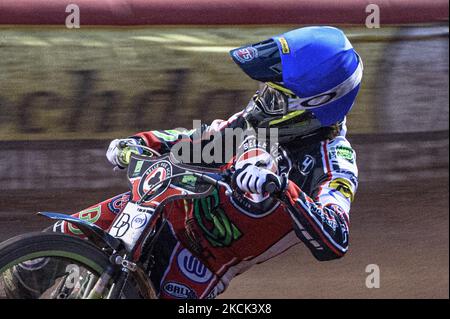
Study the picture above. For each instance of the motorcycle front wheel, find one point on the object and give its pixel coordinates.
(47, 265)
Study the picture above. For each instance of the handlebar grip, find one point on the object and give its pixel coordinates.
(271, 187)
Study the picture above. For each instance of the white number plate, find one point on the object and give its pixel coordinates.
(130, 224)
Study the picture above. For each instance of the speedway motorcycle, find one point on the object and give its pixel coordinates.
(112, 264)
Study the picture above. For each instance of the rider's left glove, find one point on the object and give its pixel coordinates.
(253, 179)
(120, 150)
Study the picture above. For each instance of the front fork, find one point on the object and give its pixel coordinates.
(119, 272)
(98, 291)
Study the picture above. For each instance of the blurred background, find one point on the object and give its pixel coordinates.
(139, 65)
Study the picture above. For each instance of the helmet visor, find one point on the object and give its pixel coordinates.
(260, 61)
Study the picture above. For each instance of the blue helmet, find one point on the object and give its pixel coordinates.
(313, 76)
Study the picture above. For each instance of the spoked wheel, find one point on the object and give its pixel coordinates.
(52, 266)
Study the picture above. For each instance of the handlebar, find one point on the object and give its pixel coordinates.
(212, 178)
(216, 180)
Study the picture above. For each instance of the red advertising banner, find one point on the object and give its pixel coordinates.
(222, 12)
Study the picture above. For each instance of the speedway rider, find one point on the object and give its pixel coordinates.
(311, 77)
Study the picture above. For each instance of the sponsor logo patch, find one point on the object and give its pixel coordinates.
(192, 267)
(343, 186)
(178, 290)
(246, 54)
(306, 165)
(189, 180)
(155, 174)
(327, 219)
(139, 221)
(284, 46)
(319, 100)
(116, 204)
(343, 152)
(137, 168)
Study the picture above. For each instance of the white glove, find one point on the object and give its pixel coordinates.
(256, 180)
(115, 153)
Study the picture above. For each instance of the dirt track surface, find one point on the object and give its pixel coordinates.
(402, 228)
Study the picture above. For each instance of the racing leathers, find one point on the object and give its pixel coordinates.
(209, 241)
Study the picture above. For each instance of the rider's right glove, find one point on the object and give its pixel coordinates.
(120, 150)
